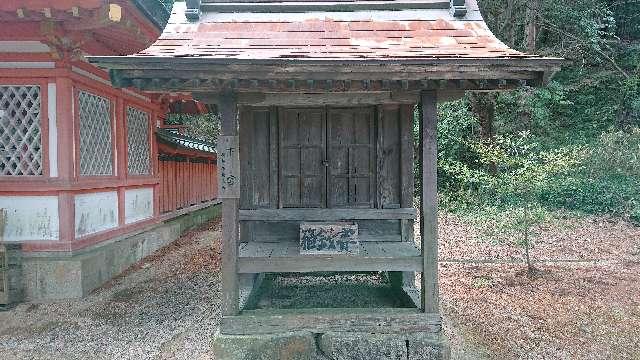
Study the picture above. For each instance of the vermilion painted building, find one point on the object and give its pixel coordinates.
(86, 187)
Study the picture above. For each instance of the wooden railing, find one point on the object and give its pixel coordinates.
(186, 181)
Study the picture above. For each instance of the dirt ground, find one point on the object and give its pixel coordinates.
(584, 305)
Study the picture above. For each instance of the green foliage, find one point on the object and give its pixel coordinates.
(573, 144)
(596, 174)
(203, 126)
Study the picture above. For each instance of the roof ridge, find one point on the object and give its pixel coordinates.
(195, 7)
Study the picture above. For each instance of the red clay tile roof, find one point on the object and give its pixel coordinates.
(406, 34)
(290, 44)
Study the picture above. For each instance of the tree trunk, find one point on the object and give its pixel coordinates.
(527, 246)
(483, 105)
(532, 26)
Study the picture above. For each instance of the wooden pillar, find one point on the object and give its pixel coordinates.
(65, 119)
(429, 201)
(228, 189)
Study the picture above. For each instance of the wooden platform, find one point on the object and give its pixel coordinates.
(257, 257)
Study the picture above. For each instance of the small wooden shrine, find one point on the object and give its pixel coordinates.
(317, 104)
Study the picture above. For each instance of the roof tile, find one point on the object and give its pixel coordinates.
(423, 33)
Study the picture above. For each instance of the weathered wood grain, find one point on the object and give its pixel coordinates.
(382, 320)
(429, 201)
(406, 156)
(327, 214)
(256, 158)
(351, 157)
(302, 154)
(373, 256)
(229, 268)
(288, 231)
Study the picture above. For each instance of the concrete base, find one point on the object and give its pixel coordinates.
(287, 346)
(53, 276)
(365, 346)
(14, 291)
(332, 346)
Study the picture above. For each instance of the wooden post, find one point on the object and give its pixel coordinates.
(429, 201)
(228, 163)
(65, 123)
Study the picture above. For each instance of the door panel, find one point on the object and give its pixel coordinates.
(351, 153)
(302, 152)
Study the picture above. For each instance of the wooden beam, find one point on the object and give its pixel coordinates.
(321, 98)
(326, 214)
(318, 6)
(102, 17)
(402, 91)
(381, 320)
(230, 226)
(408, 73)
(284, 256)
(324, 263)
(429, 201)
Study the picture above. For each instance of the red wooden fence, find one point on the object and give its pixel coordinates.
(186, 181)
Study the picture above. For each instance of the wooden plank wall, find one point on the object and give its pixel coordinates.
(186, 181)
(387, 166)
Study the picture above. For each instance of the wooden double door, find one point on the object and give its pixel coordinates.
(326, 157)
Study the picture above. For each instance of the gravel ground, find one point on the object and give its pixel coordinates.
(166, 307)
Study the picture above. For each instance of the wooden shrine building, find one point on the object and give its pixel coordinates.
(317, 105)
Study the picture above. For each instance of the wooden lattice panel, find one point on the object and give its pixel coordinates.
(138, 142)
(20, 133)
(96, 152)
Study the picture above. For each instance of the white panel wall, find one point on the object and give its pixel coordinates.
(96, 212)
(138, 204)
(30, 218)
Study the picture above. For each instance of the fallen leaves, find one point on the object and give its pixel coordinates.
(584, 304)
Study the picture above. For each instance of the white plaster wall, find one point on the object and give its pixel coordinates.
(30, 218)
(23, 46)
(96, 212)
(138, 204)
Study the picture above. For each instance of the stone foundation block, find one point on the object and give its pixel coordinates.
(366, 346)
(362, 346)
(285, 346)
(428, 346)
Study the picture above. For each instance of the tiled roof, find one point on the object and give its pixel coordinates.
(253, 31)
(337, 45)
(183, 141)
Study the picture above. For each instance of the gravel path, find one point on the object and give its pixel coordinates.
(166, 307)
